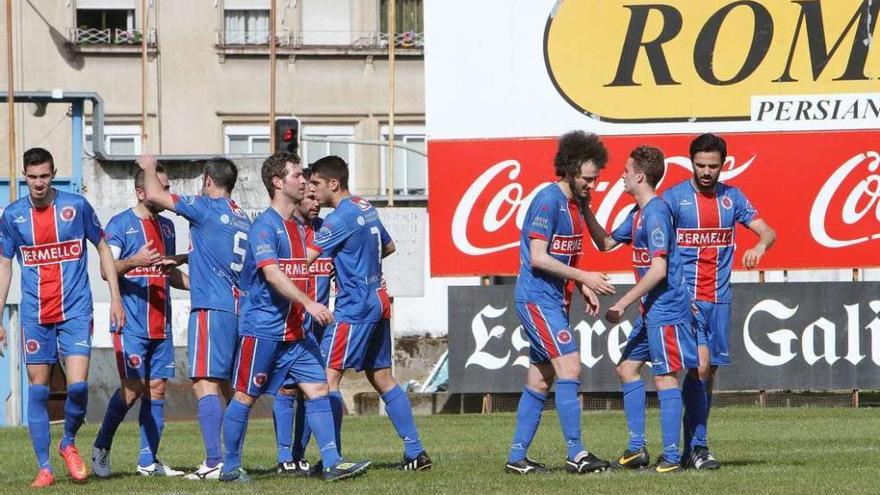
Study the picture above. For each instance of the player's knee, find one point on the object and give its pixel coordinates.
(130, 394)
(157, 389)
(626, 373)
(243, 398)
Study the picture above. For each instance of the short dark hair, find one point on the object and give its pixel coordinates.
(37, 156)
(222, 171)
(332, 167)
(139, 176)
(307, 173)
(274, 166)
(575, 148)
(650, 161)
(708, 143)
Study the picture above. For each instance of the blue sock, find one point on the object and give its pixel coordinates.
(301, 430)
(337, 406)
(569, 409)
(528, 416)
(116, 410)
(282, 417)
(693, 394)
(634, 405)
(38, 423)
(670, 422)
(152, 421)
(399, 411)
(74, 411)
(234, 430)
(319, 414)
(210, 420)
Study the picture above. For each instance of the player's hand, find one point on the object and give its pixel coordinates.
(2, 339)
(591, 300)
(597, 282)
(147, 162)
(753, 256)
(117, 315)
(615, 313)
(147, 255)
(319, 312)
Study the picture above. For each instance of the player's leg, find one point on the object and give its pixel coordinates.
(719, 355)
(693, 388)
(307, 370)
(334, 345)
(74, 343)
(301, 433)
(121, 401)
(628, 370)
(283, 409)
(669, 396)
(528, 416)
(40, 352)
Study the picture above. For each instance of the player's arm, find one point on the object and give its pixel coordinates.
(178, 279)
(604, 241)
(177, 259)
(5, 280)
(388, 249)
(284, 286)
(541, 260)
(108, 265)
(655, 274)
(147, 255)
(767, 236)
(153, 189)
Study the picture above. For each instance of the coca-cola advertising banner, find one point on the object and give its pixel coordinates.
(820, 191)
(783, 336)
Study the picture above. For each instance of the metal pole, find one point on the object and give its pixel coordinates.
(10, 74)
(392, 42)
(272, 76)
(144, 76)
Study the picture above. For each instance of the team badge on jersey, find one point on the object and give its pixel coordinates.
(563, 336)
(658, 238)
(68, 213)
(32, 346)
(134, 361)
(260, 379)
(726, 202)
(224, 218)
(361, 203)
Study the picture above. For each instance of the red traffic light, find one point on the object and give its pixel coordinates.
(288, 135)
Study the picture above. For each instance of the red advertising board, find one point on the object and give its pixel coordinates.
(820, 191)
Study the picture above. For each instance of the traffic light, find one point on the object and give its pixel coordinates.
(287, 134)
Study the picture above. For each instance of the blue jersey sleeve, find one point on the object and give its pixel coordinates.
(7, 238)
(263, 242)
(91, 224)
(330, 237)
(114, 234)
(541, 218)
(623, 232)
(192, 208)
(744, 212)
(384, 235)
(658, 225)
(170, 236)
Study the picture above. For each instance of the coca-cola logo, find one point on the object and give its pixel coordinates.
(850, 194)
(507, 206)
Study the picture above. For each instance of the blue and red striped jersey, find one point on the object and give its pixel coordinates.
(650, 233)
(265, 313)
(50, 246)
(146, 294)
(353, 236)
(556, 219)
(218, 231)
(705, 228)
(320, 273)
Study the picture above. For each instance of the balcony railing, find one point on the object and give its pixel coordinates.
(110, 36)
(320, 39)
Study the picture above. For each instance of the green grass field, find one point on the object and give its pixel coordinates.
(807, 450)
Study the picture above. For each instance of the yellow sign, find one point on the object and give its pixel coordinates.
(678, 60)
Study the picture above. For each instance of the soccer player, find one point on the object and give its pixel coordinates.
(551, 244)
(360, 338)
(288, 409)
(705, 213)
(218, 231)
(46, 230)
(273, 347)
(143, 245)
(665, 334)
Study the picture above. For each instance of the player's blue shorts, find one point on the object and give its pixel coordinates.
(142, 358)
(263, 365)
(362, 346)
(548, 331)
(42, 343)
(212, 342)
(669, 348)
(713, 330)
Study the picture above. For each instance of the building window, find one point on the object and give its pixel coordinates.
(314, 150)
(410, 168)
(409, 26)
(118, 139)
(246, 26)
(111, 22)
(246, 140)
(326, 23)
